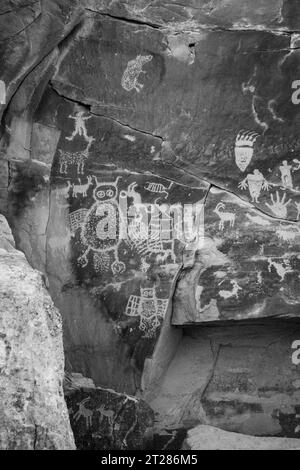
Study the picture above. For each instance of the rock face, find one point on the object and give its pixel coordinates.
(242, 378)
(209, 438)
(33, 411)
(248, 266)
(30, 30)
(105, 420)
(151, 171)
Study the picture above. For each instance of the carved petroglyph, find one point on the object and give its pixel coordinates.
(132, 72)
(129, 137)
(148, 237)
(105, 413)
(271, 107)
(81, 188)
(100, 231)
(278, 206)
(76, 219)
(149, 308)
(226, 294)
(297, 167)
(244, 149)
(68, 159)
(288, 233)
(281, 268)
(80, 127)
(144, 265)
(79, 158)
(101, 262)
(286, 173)
(286, 176)
(224, 216)
(84, 413)
(255, 182)
(297, 204)
(148, 229)
(250, 88)
(131, 192)
(158, 188)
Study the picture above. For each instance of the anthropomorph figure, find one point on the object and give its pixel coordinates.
(286, 176)
(244, 148)
(80, 127)
(255, 182)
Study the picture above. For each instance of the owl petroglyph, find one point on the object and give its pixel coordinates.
(149, 308)
(100, 232)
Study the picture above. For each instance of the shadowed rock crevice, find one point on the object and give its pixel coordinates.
(127, 20)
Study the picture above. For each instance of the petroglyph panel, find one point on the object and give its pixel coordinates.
(127, 234)
(248, 143)
(248, 267)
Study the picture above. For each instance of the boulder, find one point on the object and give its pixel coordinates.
(106, 420)
(33, 410)
(209, 438)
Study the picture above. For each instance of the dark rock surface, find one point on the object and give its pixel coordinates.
(247, 268)
(30, 30)
(235, 98)
(115, 116)
(241, 378)
(200, 14)
(210, 438)
(105, 420)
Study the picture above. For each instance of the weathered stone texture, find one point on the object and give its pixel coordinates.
(209, 438)
(105, 420)
(30, 30)
(162, 105)
(240, 378)
(247, 267)
(33, 411)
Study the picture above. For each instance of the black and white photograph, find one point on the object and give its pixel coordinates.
(149, 228)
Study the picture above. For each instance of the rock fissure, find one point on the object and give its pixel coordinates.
(88, 107)
(133, 21)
